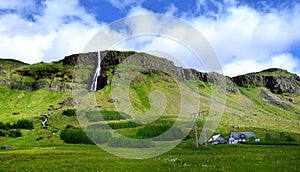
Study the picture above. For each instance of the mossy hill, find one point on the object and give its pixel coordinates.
(266, 102)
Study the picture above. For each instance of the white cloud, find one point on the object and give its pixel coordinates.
(166, 35)
(243, 66)
(245, 39)
(62, 28)
(250, 36)
(121, 4)
(17, 4)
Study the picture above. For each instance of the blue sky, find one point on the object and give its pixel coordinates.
(247, 35)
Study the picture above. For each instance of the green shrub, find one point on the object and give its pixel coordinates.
(14, 133)
(99, 126)
(23, 124)
(281, 137)
(20, 124)
(5, 126)
(129, 143)
(287, 137)
(126, 124)
(69, 112)
(99, 136)
(114, 125)
(2, 133)
(156, 132)
(75, 136)
(94, 116)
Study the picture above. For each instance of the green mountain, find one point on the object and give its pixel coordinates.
(266, 102)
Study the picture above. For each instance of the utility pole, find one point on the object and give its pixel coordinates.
(204, 126)
(196, 130)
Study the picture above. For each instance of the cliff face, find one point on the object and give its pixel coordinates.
(277, 80)
(59, 75)
(152, 63)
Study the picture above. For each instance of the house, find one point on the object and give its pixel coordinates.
(235, 137)
(217, 139)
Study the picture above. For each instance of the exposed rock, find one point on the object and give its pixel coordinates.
(83, 58)
(70, 127)
(274, 100)
(153, 64)
(3, 73)
(67, 102)
(112, 100)
(16, 113)
(61, 79)
(51, 107)
(277, 80)
(98, 106)
(39, 138)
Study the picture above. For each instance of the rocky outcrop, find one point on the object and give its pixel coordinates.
(59, 75)
(277, 80)
(152, 63)
(87, 59)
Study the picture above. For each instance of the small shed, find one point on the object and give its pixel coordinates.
(217, 139)
(235, 137)
(6, 147)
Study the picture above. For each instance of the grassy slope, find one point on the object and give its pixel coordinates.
(245, 109)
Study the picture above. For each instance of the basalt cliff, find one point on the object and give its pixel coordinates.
(60, 75)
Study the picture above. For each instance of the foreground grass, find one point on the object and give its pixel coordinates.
(212, 158)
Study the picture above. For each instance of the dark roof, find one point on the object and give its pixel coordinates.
(242, 135)
(216, 137)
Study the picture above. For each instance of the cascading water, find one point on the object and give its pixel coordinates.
(97, 74)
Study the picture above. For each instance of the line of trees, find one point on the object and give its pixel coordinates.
(77, 135)
(20, 124)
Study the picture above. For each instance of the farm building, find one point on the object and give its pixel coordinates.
(235, 137)
(217, 139)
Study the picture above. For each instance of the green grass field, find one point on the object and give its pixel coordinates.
(64, 157)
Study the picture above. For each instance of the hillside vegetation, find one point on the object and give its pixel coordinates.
(51, 120)
(250, 107)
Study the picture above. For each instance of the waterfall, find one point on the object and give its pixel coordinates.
(97, 74)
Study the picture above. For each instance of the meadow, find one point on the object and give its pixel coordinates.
(70, 157)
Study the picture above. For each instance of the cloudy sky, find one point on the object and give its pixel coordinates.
(246, 35)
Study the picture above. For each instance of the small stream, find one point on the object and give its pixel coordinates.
(92, 89)
(53, 130)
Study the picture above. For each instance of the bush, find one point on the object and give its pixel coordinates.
(69, 112)
(14, 133)
(2, 133)
(281, 137)
(287, 137)
(20, 124)
(6, 126)
(99, 126)
(156, 132)
(75, 136)
(99, 136)
(120, 125)
(23, 124)
(94, 116)
(129, 143)
(114, 125)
